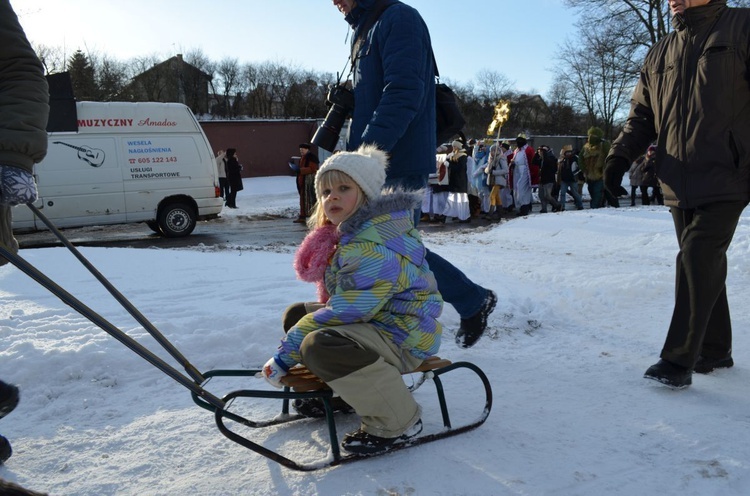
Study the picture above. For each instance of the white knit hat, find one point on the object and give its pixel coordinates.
(366, 167)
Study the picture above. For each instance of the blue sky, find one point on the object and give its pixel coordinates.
(520, 41)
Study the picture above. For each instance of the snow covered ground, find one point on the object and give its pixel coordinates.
(585, 299)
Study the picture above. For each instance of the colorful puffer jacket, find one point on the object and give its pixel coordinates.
(693, 97)
(378, 275)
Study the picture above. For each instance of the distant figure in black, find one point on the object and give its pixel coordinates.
(234, 177)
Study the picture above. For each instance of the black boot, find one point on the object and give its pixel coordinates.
(8, 398)
(314, 408)
(670, 374)
(472, 328)
(5, 450)
(706, 365)
(362, 443)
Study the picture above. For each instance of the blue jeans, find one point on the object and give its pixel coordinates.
(456, 289)
(596, 191)
(572, 188)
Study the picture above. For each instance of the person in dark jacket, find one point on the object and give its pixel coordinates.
(649, 179)
(394, 95)
(24, 108)
(234, 177)
(547, 178)
(693, 98)
(308, 166)
(457, 204)
(568, 168)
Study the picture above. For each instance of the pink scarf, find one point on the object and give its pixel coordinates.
(313, 256)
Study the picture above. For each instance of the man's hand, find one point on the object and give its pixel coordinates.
(615, 167)
(16, 186)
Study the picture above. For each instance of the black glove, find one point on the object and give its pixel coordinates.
(614, 169)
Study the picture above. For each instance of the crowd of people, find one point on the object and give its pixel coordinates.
(479, 179)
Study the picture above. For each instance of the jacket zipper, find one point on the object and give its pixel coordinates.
(685, 96)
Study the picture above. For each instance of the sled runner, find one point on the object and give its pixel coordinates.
(299, 384)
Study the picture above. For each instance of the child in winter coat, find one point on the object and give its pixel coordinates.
(379, 302)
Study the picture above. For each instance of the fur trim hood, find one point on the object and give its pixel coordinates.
(389, 221)
(390, 200)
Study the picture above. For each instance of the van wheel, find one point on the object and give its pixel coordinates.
(176, 220)
(154, 226)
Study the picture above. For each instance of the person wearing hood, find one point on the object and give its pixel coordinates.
(520, 166)
(693, 99)
(394, 94)
(378, 303)
(592, 157)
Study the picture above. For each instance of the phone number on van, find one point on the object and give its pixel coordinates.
(155, 160)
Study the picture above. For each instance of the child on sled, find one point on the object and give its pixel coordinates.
(379, 302)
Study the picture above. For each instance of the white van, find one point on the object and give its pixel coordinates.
(128, 162)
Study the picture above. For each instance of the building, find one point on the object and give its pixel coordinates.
(173, 80)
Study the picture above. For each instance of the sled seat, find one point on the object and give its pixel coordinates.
(302, 380)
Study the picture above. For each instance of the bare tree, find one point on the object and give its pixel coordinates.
(307, 98)
(601, 71)
(195, 82)
(53, 58)
(493, 86)
(111, 78)
(229, 74)
(646, 20)
(564, 118)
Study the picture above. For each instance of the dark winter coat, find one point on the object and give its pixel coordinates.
(648, 172)
(234, 174)
(394, 88)
(24, 107)
(694, 96)
(24, 97)
(458, 181)
(548, 171)
(308, 164)
(567, 173)
(636, 171)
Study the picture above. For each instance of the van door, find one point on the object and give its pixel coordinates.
(80, 181)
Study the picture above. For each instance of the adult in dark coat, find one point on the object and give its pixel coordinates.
(234, 177)
(693, 98)
(394, 91)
